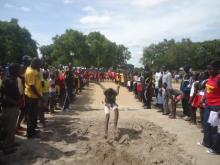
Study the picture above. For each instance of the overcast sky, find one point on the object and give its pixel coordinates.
(134, 23)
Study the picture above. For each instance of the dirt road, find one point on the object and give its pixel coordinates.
(146, 137)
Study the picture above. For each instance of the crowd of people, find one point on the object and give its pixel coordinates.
(197, 91)
(31, 89)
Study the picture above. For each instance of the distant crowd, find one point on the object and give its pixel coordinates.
(31, 89)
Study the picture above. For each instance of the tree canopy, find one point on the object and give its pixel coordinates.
(15, 42)
(177, 54)
(93, 49)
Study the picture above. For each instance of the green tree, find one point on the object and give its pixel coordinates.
(15, 42)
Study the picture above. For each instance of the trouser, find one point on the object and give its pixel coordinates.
(147, 98)
(22, 115)
(68, 97)
(11, 115)
(211, 135)
(216, 140)
(185, 104)
(193, 113)
(32, 113)
(207, 137)
(156, 93)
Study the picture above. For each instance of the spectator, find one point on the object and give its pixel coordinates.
(166, 78)
(211, 137)
(185, 88)
(69, 89)
(10, 97)
(33, 96)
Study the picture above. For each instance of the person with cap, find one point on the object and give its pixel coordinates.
(211, 138)
(10, 97)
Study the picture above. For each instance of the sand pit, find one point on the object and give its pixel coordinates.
(77, 137)
(69, 140)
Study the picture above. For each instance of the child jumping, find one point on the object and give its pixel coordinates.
(110, 104)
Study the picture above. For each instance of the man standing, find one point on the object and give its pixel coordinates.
(10, 97)
(33, 96)
(148, 87)
(167, 78)
(69, 86)
(185, 88)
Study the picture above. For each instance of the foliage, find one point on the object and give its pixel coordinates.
(15, 42)
(93, 49)
(177, 54)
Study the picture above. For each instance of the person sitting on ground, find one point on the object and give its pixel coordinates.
(110, 104)
(10, 97)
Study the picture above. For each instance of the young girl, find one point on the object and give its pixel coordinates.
(52, 93)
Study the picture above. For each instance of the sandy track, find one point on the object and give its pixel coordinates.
(146, 137)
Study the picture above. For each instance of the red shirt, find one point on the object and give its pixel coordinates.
(213, 91)
(61, 81)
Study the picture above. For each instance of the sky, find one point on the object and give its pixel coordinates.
(134, 23)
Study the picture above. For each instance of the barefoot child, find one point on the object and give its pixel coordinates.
(110, 104)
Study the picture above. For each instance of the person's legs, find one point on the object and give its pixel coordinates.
(166, 103)
(107, 116)
(207, 138)
(116, 115)
(145, 98)
(216, 140)
(32, 110)
(21, 117)
(12, 115)
(201, 111)
(173, 110)
(66, 101)
(41, 116)
(52, 102)
(148, 102)
(185, 104)
(193, 115)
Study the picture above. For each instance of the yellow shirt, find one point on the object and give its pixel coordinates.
(32, 77)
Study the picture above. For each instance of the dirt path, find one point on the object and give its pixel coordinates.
(146, 137)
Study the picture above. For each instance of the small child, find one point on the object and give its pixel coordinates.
(52, 93)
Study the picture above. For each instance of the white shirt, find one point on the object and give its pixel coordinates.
(158, 75)
(167, 78)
